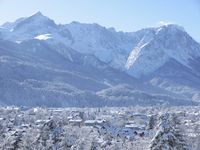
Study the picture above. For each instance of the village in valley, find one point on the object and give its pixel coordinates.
(106, 128)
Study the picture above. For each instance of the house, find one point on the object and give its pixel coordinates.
(94, 122)
(41, 122)
(69, 117)
(138, 119)
(135, 127)
(76, 122)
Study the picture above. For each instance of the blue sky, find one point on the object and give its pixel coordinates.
(125, 15)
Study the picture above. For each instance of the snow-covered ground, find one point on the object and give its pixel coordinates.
(106, 128)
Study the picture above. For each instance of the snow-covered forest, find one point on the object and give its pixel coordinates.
(134, 128)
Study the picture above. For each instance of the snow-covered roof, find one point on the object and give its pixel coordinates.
(94, 121)
(134, 126)
(90, 121)
(41, 121)
(75, 120)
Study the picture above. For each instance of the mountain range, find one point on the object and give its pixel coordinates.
(87, 65)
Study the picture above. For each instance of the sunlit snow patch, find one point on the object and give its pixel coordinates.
(43, 37)
(18, 42)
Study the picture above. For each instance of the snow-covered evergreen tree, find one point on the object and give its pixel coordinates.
(169, 136)
(152, 122)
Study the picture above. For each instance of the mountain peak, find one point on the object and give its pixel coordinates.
(38, 14)
(172, 28)
(165, 43)
(37, 20)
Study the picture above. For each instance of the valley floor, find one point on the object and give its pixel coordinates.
(106, 128)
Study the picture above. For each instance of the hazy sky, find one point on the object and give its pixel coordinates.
(126, 15)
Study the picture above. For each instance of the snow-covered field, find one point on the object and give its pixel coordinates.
(134, 128)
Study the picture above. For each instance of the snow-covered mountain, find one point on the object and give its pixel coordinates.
(169, 59)
(154, 50)
(77, 64)
(106, 44)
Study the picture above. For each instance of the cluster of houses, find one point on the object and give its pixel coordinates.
(136, 123)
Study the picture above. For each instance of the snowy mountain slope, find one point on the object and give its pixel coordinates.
(153, 49)
(35, 27)
(41, 76)
(81, 56)
(167, 42)
(107, 45)
(126, 96)
(39, 56)
(11, 25)
(169, 60)
(178, 79)
(33, 73)
(124, 51)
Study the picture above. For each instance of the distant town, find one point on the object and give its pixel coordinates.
(94, 128)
